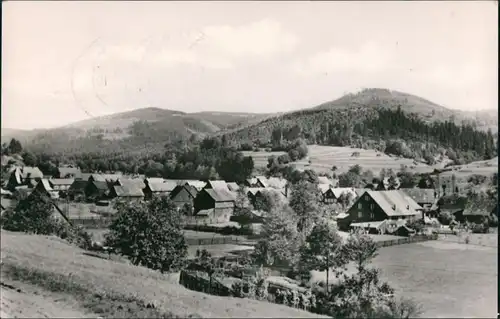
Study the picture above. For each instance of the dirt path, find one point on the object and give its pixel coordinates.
(19, 300)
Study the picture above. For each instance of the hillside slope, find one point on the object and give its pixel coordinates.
(133, 131)
(50, 262)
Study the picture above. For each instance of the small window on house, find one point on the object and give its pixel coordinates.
(372, 207)
(372, 215)
(360, 205)
(360, 214)
(367, 198)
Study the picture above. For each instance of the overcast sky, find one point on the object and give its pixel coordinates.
(66, 61)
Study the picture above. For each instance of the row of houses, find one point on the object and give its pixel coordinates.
(214, 201)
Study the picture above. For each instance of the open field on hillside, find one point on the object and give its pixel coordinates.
(260, 158)
(480, 167)
(323, 158)
(117, 289)
(448, 279)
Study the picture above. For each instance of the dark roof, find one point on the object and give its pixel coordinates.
(220, 195)
(78, 184)
(420, 195)
(101, 185)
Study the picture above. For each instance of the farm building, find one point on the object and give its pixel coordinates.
(220, 200)
(127, 191)
(44, 188)
(376, 206)
(425, 197)
(77, 189)
(211, 216)
(137, 182)
(327, 194)
(184, 195)
(96, 189)
(68, 171)
(158, 189)
(20, 176)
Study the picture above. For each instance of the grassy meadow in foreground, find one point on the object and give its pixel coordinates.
(447, 279)
(110, 288)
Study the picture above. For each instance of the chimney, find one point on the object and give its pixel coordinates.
(407, 206)
(393, 207)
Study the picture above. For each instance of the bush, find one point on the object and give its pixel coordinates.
(34, 215)
(445, 217)
(149, 234)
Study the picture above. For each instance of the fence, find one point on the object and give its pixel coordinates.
(406, 240)
(213, 241)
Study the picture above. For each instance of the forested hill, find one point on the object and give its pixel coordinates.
(140, 131)
(376, 125)
(422, 108)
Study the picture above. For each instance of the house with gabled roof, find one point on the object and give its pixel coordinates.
(26, 175)
(77, 189)
(221, 200)
(44, 188)
(184, 195)
(158, 189)
(96, 189)
(377, 206)
(126, 191)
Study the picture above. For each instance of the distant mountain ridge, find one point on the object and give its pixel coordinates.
(149, 129)
(131, 131)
